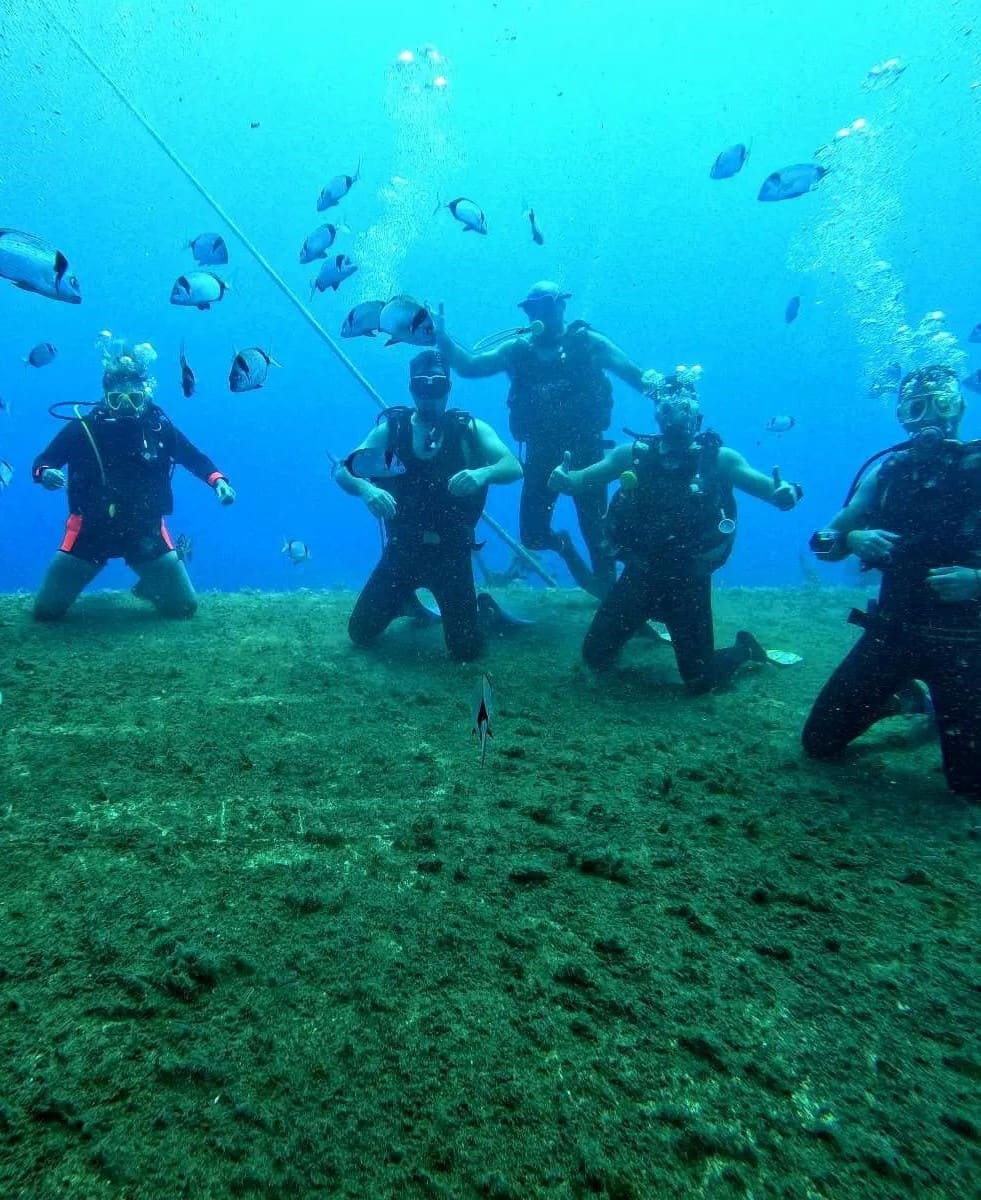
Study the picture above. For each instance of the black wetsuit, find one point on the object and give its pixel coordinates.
(934, 505)
(429, 540)
(119, 491)
(558, 404)
(666, 530)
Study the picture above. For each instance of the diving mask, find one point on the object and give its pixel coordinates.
(930, 397)
(127, 403)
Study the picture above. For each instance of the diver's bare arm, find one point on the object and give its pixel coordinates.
(472, 366)
(377, 439)
(610, 467)
(612, 358)
(501, 466)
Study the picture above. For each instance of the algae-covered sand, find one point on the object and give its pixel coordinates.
(268, 929)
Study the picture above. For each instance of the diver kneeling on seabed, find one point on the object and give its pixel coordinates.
(120, 457)
(914, 513)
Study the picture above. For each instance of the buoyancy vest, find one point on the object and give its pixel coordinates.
(933, 502)
(562, 398)
(674, 508)
(425, 505)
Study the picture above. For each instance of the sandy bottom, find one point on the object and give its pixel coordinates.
(267, 928)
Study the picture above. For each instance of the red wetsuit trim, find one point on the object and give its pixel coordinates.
(165, 534)
(73, 527)
(214, 477)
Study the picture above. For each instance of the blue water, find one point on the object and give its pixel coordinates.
(605, 121)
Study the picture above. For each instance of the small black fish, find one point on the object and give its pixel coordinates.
(536, 233)
(792, 309)
(253, 124)
(187, 375)
(730, 162)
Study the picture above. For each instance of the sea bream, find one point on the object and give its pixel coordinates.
(209, 250)
(730, 162)
(198, 289)
(333, 273)
(792, 182)
(34, 266)
(469, 214)
(362, 320)
(336, 190)
(404, 319)
(249, 369)
(482, 711)
(316, 244)
(41, 354)
(297, 552)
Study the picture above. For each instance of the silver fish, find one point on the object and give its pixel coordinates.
(482, 711)
(730, 162)
(198, 289)
(316, 244)
(362, 320)
(41, 354)
(249, 369)
(791, 182)
(6, 474)
(469, 214)
(333, 273)
(33, 265)
(336, 190)
(404, 319)
(298, 552)
(209, 250)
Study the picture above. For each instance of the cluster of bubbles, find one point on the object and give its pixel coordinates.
(416, 104)
(121, 358)
(861, 211)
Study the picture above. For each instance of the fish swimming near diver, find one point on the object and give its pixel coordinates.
(335, 191)
(333, 273)
(536, 233)
(469, 214)
(792, 309)
(34, 266)
(316, 244)
(209, 250)
(297, 552)
(404, 319)
(730, 162)
(483, 711)
(362, 320)
(187, 375)
(780, 424)
(791, 182)
(41, 354)
(249, 369)
(198, 289)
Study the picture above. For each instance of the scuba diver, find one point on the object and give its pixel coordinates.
(913, 513)
(425, 471)
(560, 399)
(120, 457)
(672, 523)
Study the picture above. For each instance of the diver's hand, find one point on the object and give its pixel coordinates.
(786, 496)
(955, 584)
(562, 478)
(466, 483)
(52, 480)
(651, 380)
(225, 492)
(871, 545)
(379, 503)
